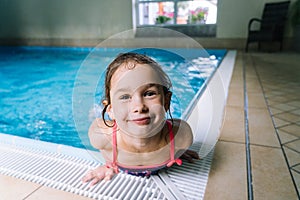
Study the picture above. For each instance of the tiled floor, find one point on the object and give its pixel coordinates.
(271, 118)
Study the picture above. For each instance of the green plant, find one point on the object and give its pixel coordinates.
(199, 14)
(161, 19)
(295, 13)
(198, 17)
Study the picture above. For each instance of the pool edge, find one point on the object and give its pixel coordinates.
(206, 127)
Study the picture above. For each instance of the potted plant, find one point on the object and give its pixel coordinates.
(295, 19)
(161, 19)
(198, 16)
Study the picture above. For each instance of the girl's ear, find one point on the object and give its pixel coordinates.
(168, 96)
(110, 112)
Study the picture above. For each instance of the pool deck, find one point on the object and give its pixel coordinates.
(270, 119)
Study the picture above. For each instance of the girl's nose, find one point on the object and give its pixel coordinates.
(138, 105)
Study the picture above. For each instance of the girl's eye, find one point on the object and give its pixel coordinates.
(150, 93)
(125, 97)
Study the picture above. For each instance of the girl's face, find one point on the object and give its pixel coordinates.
(137, 101)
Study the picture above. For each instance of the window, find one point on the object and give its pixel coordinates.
(176, 12)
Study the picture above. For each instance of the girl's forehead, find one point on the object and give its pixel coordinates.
(134, 77)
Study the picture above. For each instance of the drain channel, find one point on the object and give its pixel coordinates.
(248, 156)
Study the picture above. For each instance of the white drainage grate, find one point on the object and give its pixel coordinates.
(189, 180)
(64, 172)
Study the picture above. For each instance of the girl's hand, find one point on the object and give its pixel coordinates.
(98, 174)
(190, 155)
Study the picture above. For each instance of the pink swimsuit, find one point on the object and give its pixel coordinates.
(143, 170)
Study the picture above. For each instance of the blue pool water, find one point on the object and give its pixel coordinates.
(43, 90)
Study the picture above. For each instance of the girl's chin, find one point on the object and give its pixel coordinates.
(143, 128)
(143, 133)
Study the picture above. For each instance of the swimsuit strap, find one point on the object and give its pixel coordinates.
(172, 147)
(114, 142)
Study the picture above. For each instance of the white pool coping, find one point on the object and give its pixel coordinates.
(207, 116)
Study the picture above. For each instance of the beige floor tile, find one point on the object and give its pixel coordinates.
(292, 96)
(274, 93)
(292, 156)
(253, 86)
(227, 178)
(237, 72)
(291, 90)
(292, 129)
(281, 99)
(16, 189)
(256, 100)
(270, 102)
(288, 117)
(250, 73)
(282, 107)
(286, 137)
(261, 129)
(275, 111)
(296, 176)
(236, 83)
(295, 103)
(237, 75)
(271, 177)
(233, 127)
(296, 112)
(297, 169)
(235, 97)
(45, 193)
(279, 122)
(294, 145)
(267, 86)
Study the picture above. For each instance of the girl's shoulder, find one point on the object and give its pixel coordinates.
(99, 126)
(100, 134)
(183, 133)
(181, 125)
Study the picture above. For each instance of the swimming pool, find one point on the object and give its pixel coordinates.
(40, 87)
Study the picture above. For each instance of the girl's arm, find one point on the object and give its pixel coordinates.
(100, 138)
(99, 134)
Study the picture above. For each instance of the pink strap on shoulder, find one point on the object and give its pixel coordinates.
(172, 147)
(114, 143)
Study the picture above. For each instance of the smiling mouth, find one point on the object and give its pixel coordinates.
(142, 121)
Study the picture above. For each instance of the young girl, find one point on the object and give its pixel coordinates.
(137, 139)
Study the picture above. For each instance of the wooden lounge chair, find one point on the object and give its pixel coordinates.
(272, 24)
